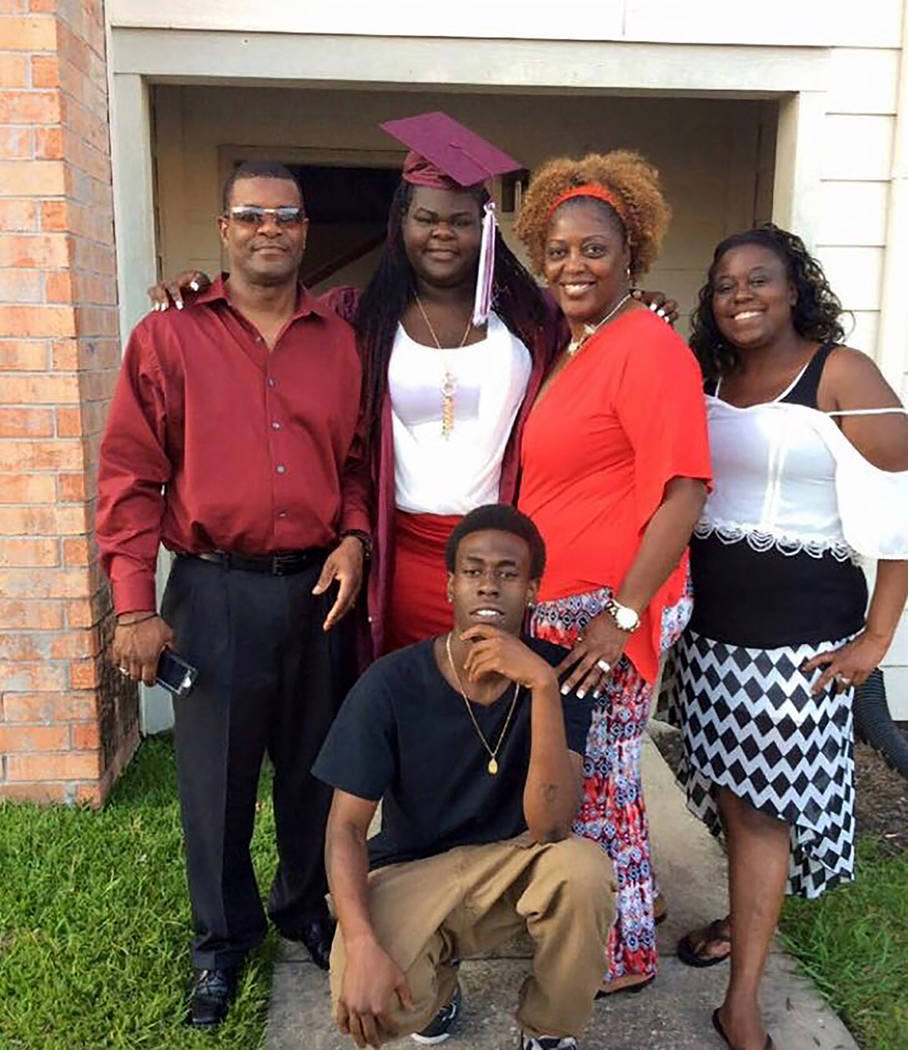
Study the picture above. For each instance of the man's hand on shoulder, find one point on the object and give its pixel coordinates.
(499, 652)
(137, 643)
(344, 564)
(371, 980)
(171, 290)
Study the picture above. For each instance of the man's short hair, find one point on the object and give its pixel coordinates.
(258, 169)
(501, 517)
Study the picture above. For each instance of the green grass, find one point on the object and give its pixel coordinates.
(94, 923)
(853, 942)
(94, 929)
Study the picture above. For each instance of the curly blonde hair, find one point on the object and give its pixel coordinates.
(633, 181)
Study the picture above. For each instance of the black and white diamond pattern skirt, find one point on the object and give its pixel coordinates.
(751, 725)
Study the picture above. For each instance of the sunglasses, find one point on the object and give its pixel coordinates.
(252, 215)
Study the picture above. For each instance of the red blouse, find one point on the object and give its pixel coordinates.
(615, 426)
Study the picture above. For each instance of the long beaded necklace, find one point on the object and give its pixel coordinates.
(590, 330)
(493, 754)
(449, 380)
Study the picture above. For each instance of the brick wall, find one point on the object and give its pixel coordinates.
(67, 723)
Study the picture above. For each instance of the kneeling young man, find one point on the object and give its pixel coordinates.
(476, 756)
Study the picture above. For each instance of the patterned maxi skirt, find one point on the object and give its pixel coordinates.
(612, 812)
(751, 725)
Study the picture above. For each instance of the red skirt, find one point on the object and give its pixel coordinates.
(418, 606)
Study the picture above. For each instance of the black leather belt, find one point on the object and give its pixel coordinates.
(285, 563)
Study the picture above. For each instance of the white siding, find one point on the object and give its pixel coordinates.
(872, 24)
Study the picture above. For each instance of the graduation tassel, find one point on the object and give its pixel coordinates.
(482, 304)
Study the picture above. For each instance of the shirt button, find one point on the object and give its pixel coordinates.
(282, 514)
(272, 382)
(281, 469)
(275, 425)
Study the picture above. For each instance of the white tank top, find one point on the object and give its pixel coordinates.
(434, 474)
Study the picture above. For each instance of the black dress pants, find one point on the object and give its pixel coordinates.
(270, 680)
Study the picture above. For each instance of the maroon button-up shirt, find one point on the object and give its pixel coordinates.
(215, 443)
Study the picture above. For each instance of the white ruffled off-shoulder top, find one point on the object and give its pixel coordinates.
(785, 476)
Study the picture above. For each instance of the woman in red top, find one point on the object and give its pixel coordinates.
(615, 464)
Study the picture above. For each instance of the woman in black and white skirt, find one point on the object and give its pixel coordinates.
(810, 466)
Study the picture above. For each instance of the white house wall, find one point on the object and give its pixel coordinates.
(825, 23)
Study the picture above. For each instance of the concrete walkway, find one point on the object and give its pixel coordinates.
(672, 1014)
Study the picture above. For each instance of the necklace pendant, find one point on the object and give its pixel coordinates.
(493, 766)
(448, 387)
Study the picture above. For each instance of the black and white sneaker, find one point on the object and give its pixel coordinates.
(439, 1028)
(547, 1042)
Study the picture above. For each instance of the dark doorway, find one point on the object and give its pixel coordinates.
(348, 215)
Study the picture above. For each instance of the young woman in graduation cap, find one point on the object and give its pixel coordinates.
(455, 337)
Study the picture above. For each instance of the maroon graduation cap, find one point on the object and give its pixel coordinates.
(444, 151)
(446, 155)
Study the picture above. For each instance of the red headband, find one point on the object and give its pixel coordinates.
(589, 189)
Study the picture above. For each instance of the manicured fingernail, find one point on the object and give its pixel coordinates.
(194, 285)
(597, 693)
(654, 308)
(581, 693)
(179, 304)
(165, 306)
(565, 689)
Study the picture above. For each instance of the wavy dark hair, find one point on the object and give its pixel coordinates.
(815, 315)
(516, 298)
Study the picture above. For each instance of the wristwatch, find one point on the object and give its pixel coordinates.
(623, 615)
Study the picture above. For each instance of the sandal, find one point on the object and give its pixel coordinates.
(630, 989)
(689, 955)
(717, 1024)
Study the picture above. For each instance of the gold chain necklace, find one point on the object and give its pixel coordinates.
(493, 755)
(590, 330)
(449, 380)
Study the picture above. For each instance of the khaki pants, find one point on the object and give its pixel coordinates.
(474, 898)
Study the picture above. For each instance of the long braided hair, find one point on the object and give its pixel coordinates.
(815, 315)
(517, 300)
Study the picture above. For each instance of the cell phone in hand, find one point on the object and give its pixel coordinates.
(174, 674)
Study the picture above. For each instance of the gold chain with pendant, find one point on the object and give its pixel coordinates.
(449, 380)
(493, 755)
(589, 330)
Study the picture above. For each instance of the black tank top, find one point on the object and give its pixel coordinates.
(767, 599)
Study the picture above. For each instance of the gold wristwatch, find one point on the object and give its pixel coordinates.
(623, 615)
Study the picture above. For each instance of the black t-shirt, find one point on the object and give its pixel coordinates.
(403, 735)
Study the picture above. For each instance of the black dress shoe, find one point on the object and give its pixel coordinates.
(212, 993)
(316, 934)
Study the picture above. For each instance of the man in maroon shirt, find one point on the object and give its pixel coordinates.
(232, 439)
